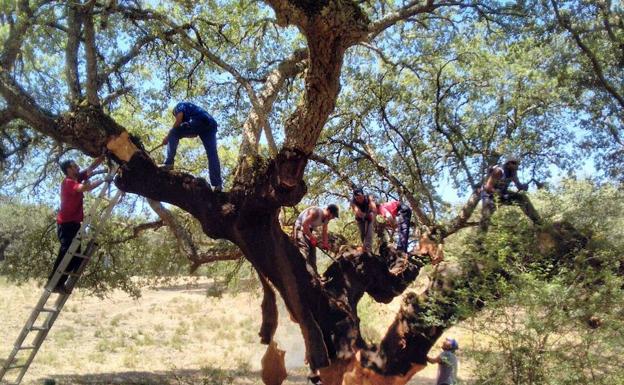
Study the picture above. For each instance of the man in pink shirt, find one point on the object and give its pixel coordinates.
(70, 215)
(398, 215)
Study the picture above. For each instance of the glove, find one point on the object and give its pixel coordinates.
(313, 241)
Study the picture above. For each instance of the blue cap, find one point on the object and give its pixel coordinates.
(453, 343)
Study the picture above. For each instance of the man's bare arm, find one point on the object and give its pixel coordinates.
(84, 187)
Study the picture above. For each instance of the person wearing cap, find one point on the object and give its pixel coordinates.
(447, 363)
(192, 121)
(497, 185)
(397, 215)
(364, 208)
(310, 219)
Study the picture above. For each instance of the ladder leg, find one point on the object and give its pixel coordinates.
(87, 233)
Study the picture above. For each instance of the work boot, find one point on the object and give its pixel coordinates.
(315, 379)
(61, 289)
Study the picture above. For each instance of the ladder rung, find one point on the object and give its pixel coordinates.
(39, 328)
(71, 274)
(27, 347)
(49, 310)
(83, 256)
(16, 366)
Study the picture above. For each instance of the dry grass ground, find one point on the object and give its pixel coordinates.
(171, 335)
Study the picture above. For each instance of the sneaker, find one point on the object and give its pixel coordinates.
(166, 167)
(315, 379)
(61, 289)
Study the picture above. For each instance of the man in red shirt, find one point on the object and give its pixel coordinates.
(398, 215)
(71, 212)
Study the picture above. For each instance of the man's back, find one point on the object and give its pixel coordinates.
(192, 112)
(318, 221)
(447, 368)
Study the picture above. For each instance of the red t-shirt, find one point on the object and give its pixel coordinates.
(390, 207)
(71, 201)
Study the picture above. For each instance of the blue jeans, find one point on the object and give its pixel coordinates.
(207, 132)
(403, 221)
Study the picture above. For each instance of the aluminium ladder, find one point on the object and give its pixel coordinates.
(83, 247)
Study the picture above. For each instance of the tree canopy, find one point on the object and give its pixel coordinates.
(415, 100)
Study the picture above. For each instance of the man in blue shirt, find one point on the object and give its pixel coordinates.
(192, 121)
(447, 361)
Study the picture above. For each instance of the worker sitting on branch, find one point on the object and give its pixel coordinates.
(496, 190)
(192, 121)
(310, 219)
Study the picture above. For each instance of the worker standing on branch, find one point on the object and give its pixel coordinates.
(71, 214)
(310, 219)
(192, 121)
(447, 361)
(365, 209)
(397, 215)
(497, 186)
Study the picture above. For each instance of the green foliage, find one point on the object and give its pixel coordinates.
(122, 261)
(547, 325)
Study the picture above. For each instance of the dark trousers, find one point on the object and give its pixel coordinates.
(207, 132)
(366, 229)
(489, 203)
(403, 222)
(305, 248)
(66, 233)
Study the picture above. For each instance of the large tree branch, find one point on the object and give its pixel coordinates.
(461, 220)
(184, 238)
(71, 52)
(409, 10)
(213, 256)
(6, 116)
(269, 311)
(17, 33)
(258, 118)
(24, 106)
(330, 27)
(137, 230)
(90, 54)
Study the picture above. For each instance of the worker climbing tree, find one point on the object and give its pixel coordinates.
(414, 100)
